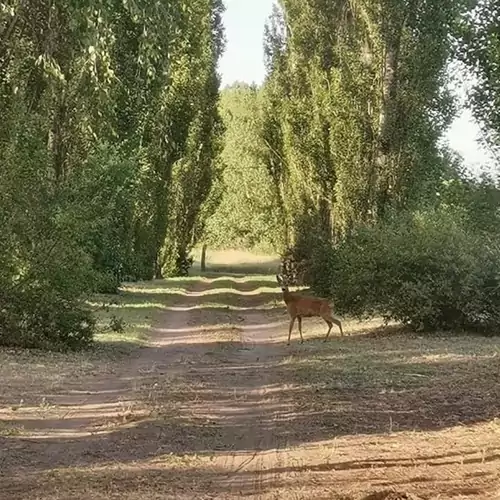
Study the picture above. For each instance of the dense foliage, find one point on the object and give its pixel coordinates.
(354, 106)
(110, 138)
(479, 48)
(247, 215)
(429, 270)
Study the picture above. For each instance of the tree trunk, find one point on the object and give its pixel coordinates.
(389, 97)
(58, 140)
(158, 273)
(203, 264)
(388, 142)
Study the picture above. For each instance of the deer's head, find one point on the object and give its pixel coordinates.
(282, 284)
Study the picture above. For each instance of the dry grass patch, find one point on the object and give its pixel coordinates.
(238, 262)
(387, 381)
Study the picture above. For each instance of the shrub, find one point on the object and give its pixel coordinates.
(98, 204)
(42, 304)
(36, 317)
(45, 275)
(117, 324)
(425, 270)
(305, 261)
(106, 282)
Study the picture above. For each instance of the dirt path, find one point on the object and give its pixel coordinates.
(218, 407)
(204, 370)
(237, 396)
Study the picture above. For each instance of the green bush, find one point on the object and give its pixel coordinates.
(98, 204)
(425, 270)
(42, 296)
(35, 320)
(106, 282)
(45, 275)
(43, 313)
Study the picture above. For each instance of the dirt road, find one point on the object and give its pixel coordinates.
(214, 409)
(199, 406)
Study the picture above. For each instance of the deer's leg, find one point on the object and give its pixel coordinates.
(339, 324)
(292, 321)
(330, 325)
(299, 319)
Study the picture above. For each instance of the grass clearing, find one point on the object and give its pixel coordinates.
(232, 261)
(393, 379)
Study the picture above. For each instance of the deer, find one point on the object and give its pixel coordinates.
(300, 306)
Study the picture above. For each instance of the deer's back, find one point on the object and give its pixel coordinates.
(298, 305)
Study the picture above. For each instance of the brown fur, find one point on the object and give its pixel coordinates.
(300, 306)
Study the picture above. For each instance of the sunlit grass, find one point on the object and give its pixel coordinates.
(393, 360)
(237, 262)
(124, 319)
(122, 322)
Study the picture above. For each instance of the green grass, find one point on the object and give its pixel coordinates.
(124, 319)
(237, 262)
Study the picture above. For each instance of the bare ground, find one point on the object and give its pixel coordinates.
(217, 406)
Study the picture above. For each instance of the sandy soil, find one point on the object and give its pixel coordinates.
(219, 407)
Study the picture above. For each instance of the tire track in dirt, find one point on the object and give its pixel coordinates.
(257, 406)
(258, 346)
(226, 360)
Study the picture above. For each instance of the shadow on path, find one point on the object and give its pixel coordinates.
(236, 390)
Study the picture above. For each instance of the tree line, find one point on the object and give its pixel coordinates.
(110, 140)
(120, 152)
(364, 201)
